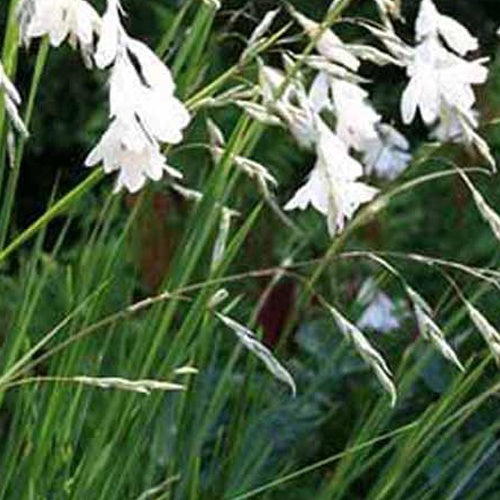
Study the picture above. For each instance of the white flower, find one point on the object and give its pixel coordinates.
(140, 85)
(388, 154)
(356, 118)
(379, 315)
(384, 150)
(112, 35)
(127, 148)
(149, 96)
(439, 78)
(380, 312)
(332, 188)
(430, 23)
(143, 108)
(422, 91)
(60, 19)
(292, 106)
(12, 100)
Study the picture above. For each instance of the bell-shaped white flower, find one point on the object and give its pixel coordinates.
(140, 84)
(59, 20)
(127, 148)
(149, 95)
(388, 154)
(441, 80)
(143, 107)
(437, 78)
(12, 100)
(383, 149)
(356, 118)
(332, 188)
(422, 91)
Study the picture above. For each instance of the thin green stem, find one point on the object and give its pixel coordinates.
(57, 209)
(11, 189)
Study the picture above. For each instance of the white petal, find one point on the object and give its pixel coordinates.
(164, 117)
(86, 22)
(156, 74)
(319, 94)
(427, 20)
(457, 36)
(110, 35)
(333, 153)
(429, 100)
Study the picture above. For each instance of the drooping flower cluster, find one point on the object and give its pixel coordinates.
(12, 100)
(75, 20)
(145, 112)
(441, 77)
(440, 87)
(384, 150)
(334, 187)
(336, 89)
(143, 108)
(440, 80)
